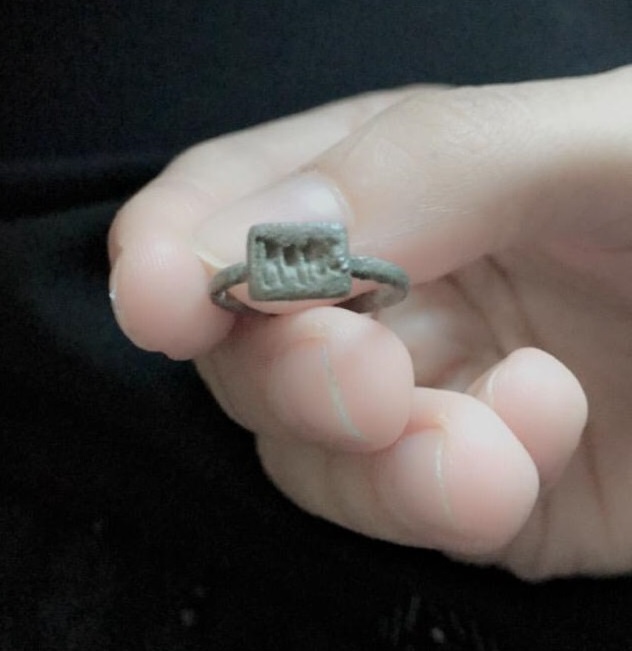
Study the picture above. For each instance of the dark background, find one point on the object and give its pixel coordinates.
(133, 515)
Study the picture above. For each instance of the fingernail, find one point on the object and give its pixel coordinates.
(484, 387)
(489, 391)
(221, 240)
(116, 308)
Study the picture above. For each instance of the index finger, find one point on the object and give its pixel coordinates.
(158, 286)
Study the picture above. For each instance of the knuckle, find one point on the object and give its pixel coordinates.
(380, 149)
(473, 121)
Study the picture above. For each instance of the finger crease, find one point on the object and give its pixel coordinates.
(441, 481)
(335, 395)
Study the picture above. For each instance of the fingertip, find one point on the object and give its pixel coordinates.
(542, 402)
(160, 299)
(562, 396)
(158, 287)
(344, 380)
(461, 483)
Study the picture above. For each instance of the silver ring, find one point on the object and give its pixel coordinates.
(292, 261)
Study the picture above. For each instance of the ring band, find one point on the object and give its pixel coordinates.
(291, 261)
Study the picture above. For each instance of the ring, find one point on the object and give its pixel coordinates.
(297, 261)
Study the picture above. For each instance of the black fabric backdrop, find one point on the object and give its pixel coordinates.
(133, 515)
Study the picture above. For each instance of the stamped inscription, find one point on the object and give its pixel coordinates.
(295, 261)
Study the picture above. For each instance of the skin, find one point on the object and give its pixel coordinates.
(488, 415)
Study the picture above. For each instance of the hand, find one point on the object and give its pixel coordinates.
(456, 420)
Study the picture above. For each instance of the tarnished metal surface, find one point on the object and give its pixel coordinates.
(294, 261)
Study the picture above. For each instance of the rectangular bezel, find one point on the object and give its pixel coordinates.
(295, 261)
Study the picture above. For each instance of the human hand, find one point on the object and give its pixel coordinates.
(456, 420)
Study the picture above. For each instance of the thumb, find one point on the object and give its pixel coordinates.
(447, 176)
